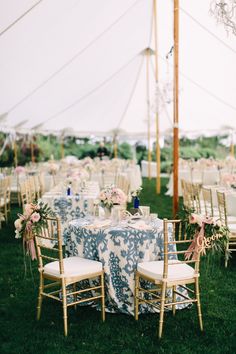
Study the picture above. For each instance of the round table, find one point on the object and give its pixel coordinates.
(120, 248)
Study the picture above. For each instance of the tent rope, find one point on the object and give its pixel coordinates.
(80, 99)
(210, 93)
(20, 18)
(138, 75)
(207, 30)
(71, 60)
(132, 93)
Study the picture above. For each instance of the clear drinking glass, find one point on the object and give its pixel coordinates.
(145, 210)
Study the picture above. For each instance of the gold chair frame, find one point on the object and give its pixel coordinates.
(160, 302)
(231, 244)
(5, 197)
(208, 201)
(44, 244)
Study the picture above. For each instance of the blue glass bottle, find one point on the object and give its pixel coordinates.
(136, 202)
(69, 189)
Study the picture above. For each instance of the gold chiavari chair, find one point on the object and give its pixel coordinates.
(193, 196)
(169, 274)
(24, 193)
(209, 208)
(42, 182)
(229, 221)
(37, 187)
(63, 274)
(122, 182)
(186, 199)
(31, 187)
(5, 197)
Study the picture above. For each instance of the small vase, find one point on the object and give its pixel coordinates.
(136, 202)
(107, 212)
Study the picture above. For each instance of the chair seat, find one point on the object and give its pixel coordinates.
(231, 219)
(154, 270)
(232, 228)
(74, 266)
(3, 202)
(216, 212)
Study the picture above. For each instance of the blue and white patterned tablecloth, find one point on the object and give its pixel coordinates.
(120, 249)
(66, 207)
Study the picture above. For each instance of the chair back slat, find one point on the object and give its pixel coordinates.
(222, 207)
(176, 248)
(48, 242)
(208, 201)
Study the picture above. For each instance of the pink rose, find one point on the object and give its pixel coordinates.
(102, 196)
(35, 217)
(195, 219)
(19, 169)
(18, 224)
(28, 209)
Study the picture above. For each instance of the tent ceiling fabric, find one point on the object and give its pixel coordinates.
(79, 64)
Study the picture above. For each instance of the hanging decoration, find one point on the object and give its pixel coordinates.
(225, 13)
(163, 95)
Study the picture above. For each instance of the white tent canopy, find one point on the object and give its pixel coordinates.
(79, 65)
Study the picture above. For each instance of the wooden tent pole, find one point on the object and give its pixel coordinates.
(15, 154)
(115, 147)
(62, 148)
(32, 149)
(158, 152)
(148, 113)
(176, 110)
(232, 145)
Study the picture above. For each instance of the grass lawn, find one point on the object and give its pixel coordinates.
(21, 333)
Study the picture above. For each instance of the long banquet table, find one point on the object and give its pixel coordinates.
(120, 248)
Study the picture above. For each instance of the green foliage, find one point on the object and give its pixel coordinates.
(215, 238)
(125, 151)
(49, 145)
(141, 152)
(44, 147)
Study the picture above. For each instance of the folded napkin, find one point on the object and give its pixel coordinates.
(98, 224)
(140, 225)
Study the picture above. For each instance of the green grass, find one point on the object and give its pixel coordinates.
(21, 333)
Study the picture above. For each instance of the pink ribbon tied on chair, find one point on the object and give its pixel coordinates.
(197, 245)
(29, 245)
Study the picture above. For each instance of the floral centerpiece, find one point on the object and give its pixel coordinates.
(19, 169)
(208, 233)
(53, 168)
(30, 223)
(112, 195)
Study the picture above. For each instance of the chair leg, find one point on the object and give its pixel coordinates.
(198, 304)
(64, 303)
(103, 297)
(75, 296)
(174, 300)
(40, 296)
(136, 295)
(6, 214)
(163, 295)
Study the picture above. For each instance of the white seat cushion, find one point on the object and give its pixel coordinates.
(154, 270)
(74, 266)
(231, 219)
(232, 228)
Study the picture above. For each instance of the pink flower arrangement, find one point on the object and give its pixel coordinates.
(112, 195)
(19, 169)
(29, 223)
(228, 179)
